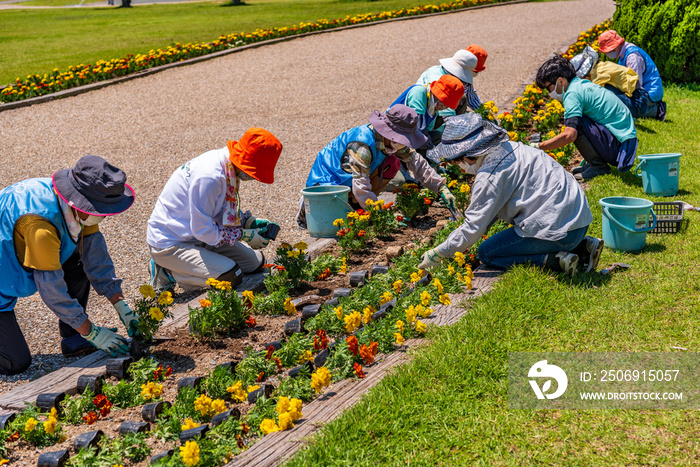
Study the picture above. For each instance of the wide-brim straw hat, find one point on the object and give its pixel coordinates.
(467, 135)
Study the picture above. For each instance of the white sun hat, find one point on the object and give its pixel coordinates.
(461, 65)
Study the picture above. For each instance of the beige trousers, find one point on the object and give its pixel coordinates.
(191, 264)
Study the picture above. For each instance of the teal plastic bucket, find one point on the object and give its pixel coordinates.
(626, 222)
(659, 173)
(323, 205)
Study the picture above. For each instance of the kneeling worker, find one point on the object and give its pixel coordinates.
(197, 230)
(50, 243)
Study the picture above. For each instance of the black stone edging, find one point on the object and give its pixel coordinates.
(140, 74)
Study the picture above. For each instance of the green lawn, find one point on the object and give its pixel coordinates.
(37, 40)
(449, 406)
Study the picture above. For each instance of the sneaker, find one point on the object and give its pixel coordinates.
(568, 262)
(592, 172)
(661, 115)
(594, 247)
(580, 168)
(76, 345)
(161, 278)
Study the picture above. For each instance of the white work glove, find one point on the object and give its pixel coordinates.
(107, 340)
(448, 197)
(128, 317)
(430, 259)
(254, 223)
(254, 239)
(534, 145)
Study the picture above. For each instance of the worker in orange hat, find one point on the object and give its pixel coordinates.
(427, 100)
(197, 230)
(465, 65)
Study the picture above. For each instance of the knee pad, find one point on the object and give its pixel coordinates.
(234, 276)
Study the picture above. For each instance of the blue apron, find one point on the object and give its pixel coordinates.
(651, 77)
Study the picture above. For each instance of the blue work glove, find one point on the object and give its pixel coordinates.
(107, 340)
(128, 317)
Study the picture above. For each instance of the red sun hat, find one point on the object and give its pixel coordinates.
(448, 89)
(481, 57)
(256, 154)
(609, 41)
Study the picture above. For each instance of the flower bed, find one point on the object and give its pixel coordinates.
(82, 74)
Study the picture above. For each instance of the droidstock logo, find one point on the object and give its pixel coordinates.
(543, 370)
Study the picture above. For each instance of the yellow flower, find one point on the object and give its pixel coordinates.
(248, 294)
(147, 291)
(339, 222)
(445, 299)
(252, 387)
(420, 327)
(424, 312)
(320, 379)
(286, 422)
(305, 356)
(166, 298)
(397, 286)
(415, 277)
(211, 282)
(411, 314)
(452, 184)
(425, 298)
(53, 413)
(399, 338)
(190, 453)
(352, 321)
(285, 245)
(386, 297)
(289, 307)
(189, 423)
(237, 392)
(399, 325)
(464, 188)
(202, 404)
(459, 258)
(217, 406)
(223, 285)
(438, 285)
(283, 404)
(339, 312)
(293, 253)
(50, 425)
(364, 217)
(156, 313)
(151, 390)
(450, 269)
(268, 426)
(343, 267)
(301, 246)
(367, 313)
(369, 203)
(295, 409)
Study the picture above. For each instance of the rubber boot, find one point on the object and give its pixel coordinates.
(598, 166)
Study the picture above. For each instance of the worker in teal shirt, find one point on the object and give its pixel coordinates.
(597, 122)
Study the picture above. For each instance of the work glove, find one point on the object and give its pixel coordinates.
(107, 340)
(448, 197)
(254, 239)
(254, 223)
(128, 317)
(534, 145)
(430, 259)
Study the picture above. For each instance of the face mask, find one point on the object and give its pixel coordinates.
(244, 177)
(471, 169)
(391, 147)
(554, 94)
(91, 220)
(612, 55)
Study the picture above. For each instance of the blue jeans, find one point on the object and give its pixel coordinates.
(507, 248)
(640, 104)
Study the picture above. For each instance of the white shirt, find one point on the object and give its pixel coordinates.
(191, 206)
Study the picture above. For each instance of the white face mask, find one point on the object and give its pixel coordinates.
(91, 220)
(612, 54)
(554, 94)
(392, 147)
(244, 177)
(471, 169)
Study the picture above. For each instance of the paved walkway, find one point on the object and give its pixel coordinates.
(305, 91)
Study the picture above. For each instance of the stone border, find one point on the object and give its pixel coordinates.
(140, 74)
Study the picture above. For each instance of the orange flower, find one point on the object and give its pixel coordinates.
(250, 322)
(358, 370)
(204, 303)
(366, 354)
(261, 377)
(90, 418)
(353, 345)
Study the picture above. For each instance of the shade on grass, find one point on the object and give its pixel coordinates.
(449, 406)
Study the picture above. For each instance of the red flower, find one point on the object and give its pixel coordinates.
(90, 418)
(268, 265)
(427, 201)
(399, 218)
(361, 233)
(158, 372)
(13, 437)
(245, 428)
(261, 376)
(270, 350)
(324, 275)
(361, 212)
(278, 362)
(239, 441)
(250, 322)
(323, 338)
(169, 371)
(104, 411)
(281, 268)
(101, 401)
(353, 345)
(341, 233)
(366, 354)
(374, 348)
(358, 370)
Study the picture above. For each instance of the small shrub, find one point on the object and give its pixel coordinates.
(221, 313)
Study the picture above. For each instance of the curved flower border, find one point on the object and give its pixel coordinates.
(83, 74)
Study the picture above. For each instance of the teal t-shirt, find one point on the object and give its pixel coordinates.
(583, 98)
(418, 99)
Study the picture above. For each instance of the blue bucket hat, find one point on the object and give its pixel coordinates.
(467, 135)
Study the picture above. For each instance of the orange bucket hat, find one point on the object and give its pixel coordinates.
(481, 57)
(448, 89)
(609, 41)
(256, 154)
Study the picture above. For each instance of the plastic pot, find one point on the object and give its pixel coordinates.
(92, 382)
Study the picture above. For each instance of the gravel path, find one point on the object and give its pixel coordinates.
(305, 91)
